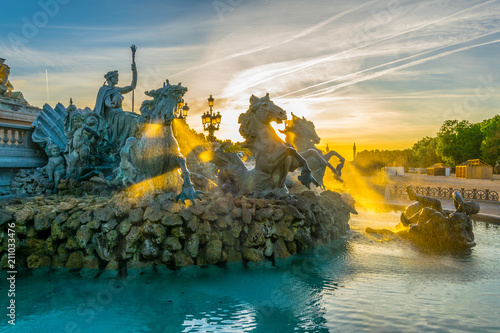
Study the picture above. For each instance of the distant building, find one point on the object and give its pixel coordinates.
(439, 169)
(394, 170)
(474, 169)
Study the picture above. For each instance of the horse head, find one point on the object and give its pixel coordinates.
(164, 104)
(262, 111)
(301, 128)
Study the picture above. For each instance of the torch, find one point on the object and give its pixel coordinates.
(133, 48)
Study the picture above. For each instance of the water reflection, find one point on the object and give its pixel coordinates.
(354, 284)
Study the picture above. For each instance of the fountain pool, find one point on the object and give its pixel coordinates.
(355, 284)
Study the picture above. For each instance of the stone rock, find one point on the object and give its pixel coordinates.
(74, 221)
(121, 208)
(153, 213)
(172, 220)
(182, 259)
(304, 237)
(166, 256)
(61, 218)
(277, 214)
(101, 247)
(31, 232)
(57, 231)
(222, 206)
(280, 250)
(66, 205)
(24, 214)
(255, 236)
(204, 229)
(21, 229)
(173, 207)
(112, 238)
(210, 213)
(124, 227)
(213, 251)
(50, 246)
(253, 255)
(108, 226)
(233, 255)
(197, 209)
(284, 232)
(104, 214)
(264, 214)
(227, 238)
(302, 205)
(86, 217)
(292, 247)
(269, 249)
(6, 216)
(37, 261)
(42, 219)
(246, 216)
(149, 250)
(113, 265)
(94, 224)
(172, 243)
(186, 214)
(156, 230)
(71, 244)
(75, 260)
(135, 216)
(83, 235)
(62, 252)
(91, 262)
(179, 232)
(192, 224)
(294, 212)
(35, 246)
(236, 230)
(192, 245)
(223, 222)
(236, 213)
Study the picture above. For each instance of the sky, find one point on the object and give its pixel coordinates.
(382, 74)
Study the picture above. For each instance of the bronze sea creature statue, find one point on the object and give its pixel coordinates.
(426, 224)
(274, 158)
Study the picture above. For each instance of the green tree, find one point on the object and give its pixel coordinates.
(458, 141)
(424, 153)
(490, 147)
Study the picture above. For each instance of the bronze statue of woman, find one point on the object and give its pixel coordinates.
(121, 124)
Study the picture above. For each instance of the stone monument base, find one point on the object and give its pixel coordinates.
(122, 232)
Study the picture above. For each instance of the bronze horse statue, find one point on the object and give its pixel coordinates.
(154, 151)
(274, 158)
(301, 134)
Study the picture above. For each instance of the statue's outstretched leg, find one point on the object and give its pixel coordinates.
(424, 200)
(188, 191)
(305, 177)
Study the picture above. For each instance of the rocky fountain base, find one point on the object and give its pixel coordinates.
(120, 232)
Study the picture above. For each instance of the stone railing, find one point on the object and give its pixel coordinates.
(17, 151)
(442, 192)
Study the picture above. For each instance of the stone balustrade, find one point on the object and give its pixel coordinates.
(17, 151)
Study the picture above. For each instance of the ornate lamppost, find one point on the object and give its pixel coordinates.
(211, 121)
(182, 110)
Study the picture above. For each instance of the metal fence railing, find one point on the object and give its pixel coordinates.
(443, 192)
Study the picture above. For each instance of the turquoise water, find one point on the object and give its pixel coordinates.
(358, 284)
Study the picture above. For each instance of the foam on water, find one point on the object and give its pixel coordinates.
(360, 283)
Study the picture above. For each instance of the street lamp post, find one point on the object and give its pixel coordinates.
(182, 110)
(211, 121)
